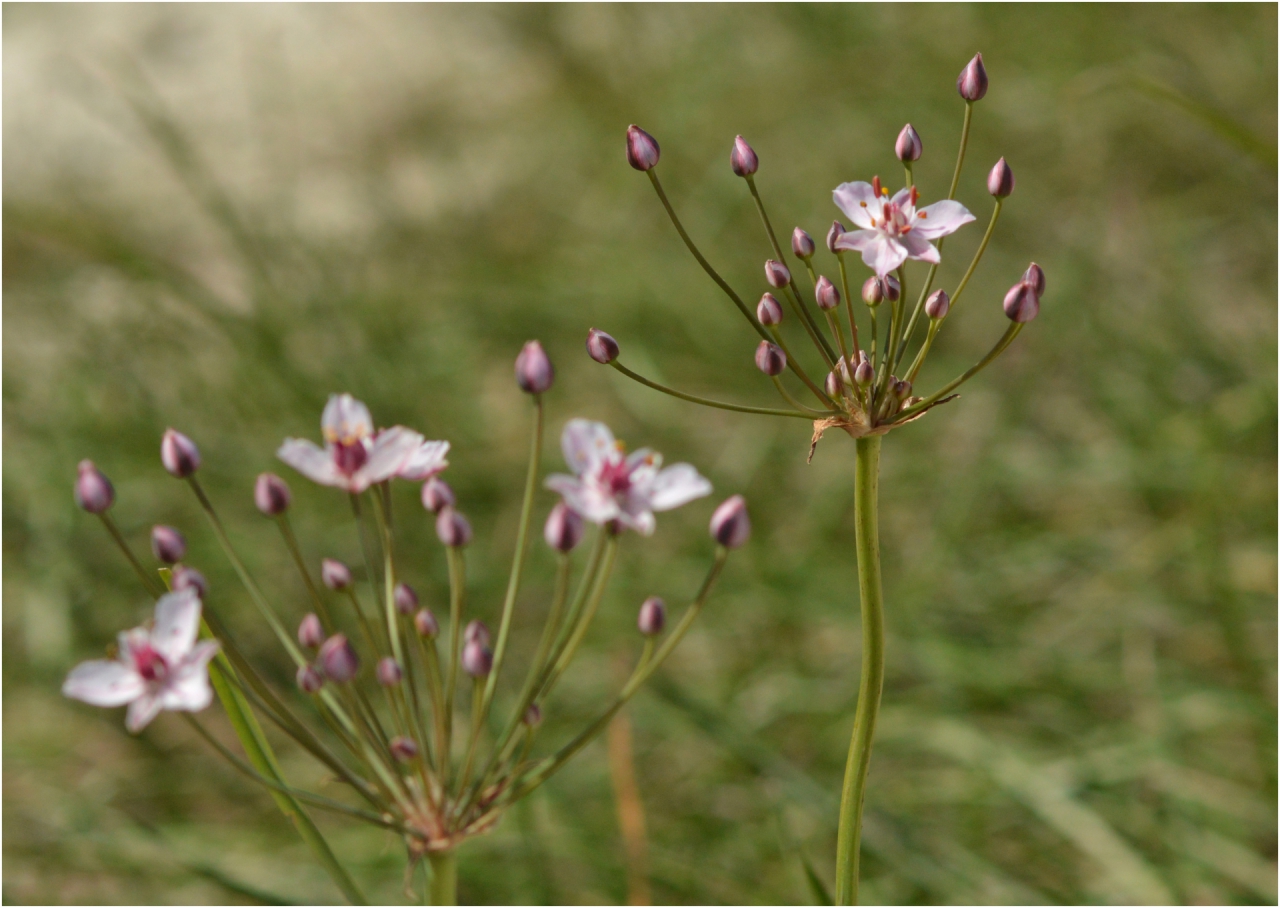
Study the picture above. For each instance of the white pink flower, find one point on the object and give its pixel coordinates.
(611, 485)
(892, 229)
(355, 456)
(158, 668)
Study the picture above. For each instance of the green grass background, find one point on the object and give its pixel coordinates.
(216, 216)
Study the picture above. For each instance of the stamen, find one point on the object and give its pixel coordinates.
(922, 215)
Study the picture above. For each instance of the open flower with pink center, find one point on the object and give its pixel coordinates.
(611, 485)
(158, 668)
(355, 457)
(893, 229)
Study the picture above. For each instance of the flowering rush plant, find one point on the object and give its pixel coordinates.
(381, 676)
(868, 387)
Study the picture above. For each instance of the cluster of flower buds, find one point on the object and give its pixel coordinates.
(870, 371)
(392, 737)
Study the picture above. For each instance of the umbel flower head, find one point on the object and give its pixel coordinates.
(157, 668)
(609, 484)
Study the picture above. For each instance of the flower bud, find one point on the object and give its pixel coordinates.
(863, 374)
(1033, 277)
(534, 372)
(832, 384)
(532, 716)
(564, 528)
(642, 149)
(601, 347)
(730, 525)
(167, 544)
(777, 274)
(770, 359)
(179, 454)
(404, 749)
(437, 494)
(425, 623)
(972, 81)
(477, 632)
(802, 244)
(338, 659)
(1000, 181)
(892, 288)
(335, 574)
(309, 680)
(477, 659)
(93, 490)
(901, 389)
(389, 672)
(872, 291)
(908, 147)
(271, 494)
(743, 158)
(310, 632)
(768, 311)
(188, 578)
(406, 600)
(1021, 303)
(937, 305)
(837, 229)
(653, 616)
(826, 294)
(452, 528)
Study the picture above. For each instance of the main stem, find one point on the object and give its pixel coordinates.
(866, 521)
(444, 877)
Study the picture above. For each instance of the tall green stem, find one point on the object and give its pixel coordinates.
(866, 521)
(444, 877)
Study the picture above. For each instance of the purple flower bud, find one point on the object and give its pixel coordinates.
(833, 384)
(770, 359)
(338, 659)
(642, 149)
(972, 81)
(452, 528)
(389, 673)
(93, 490)
(834, 234)
(802, 244)
(309, 680)
(534, 372)
(477, 632)
(425, 623)
(1033, 277)
(601, 347)
(179, 454)
(743, 158)
(937, 305)
(310, 632)
(335, 574)
(901, 389)
(271, 494)
(730, 525)
(653, 616)
(872, 291)
(437, 494)
(167, 544)
(908, 147)
(768, 310)
(404, 749)
(863, 374)
(188, 578)
(892, 288)
(406, 599)
(477, 659)
(777, 274)
(827, 295)
(1000, 181)
(1021, 302)
(532, 716)
(564, 528)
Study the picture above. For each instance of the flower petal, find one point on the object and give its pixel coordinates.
(390, 450)
(883, 254)
(858, 202)
(940, 219)
(311, 460)
(141, 712)
(642, 522)
(856, 240)
(676, 485)
(585, 444)
(919, 248)
(188, 687)
(345, 419)
(425, 462)
(103, 683)
(177, 624)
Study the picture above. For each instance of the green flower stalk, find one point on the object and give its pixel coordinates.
(867, 393)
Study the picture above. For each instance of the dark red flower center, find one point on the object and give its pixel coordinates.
(349, 457)
(149, 663)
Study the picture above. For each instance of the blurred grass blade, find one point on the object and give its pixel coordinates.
(1226, 128)
(821, 895)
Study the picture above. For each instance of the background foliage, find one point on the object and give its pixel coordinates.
(215, 216)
